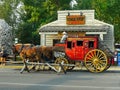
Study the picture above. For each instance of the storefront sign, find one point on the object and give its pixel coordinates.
(75, 19)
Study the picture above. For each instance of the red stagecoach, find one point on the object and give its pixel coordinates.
(92, 52)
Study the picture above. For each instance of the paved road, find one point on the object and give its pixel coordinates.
(11, 79)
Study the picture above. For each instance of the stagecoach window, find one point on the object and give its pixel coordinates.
(69, 44)
(79, 43)
(91, 44)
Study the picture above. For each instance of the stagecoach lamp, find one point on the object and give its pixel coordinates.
(16, 40)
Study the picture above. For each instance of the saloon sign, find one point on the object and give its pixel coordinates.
(75, 19)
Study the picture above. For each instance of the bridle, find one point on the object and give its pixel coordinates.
(17, 52)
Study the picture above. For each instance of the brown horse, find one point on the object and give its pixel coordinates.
(33, 54)
(39, 54)
(17, 48)
(21, 50)
(46, 53)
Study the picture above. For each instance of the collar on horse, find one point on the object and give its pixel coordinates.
(21, 48)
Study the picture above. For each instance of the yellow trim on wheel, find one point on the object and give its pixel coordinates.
(96, 60)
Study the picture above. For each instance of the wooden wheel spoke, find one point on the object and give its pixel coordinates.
(92, 53)
(90, 56)
(102, 62)
(98, 68)
(89, 64)
(89, 61)
(100, 55)
(99, 65)
(97, 54)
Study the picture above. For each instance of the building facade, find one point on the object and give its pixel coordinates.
(76, 23)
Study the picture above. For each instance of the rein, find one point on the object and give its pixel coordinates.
(21, 48)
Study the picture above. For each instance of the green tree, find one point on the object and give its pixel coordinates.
(105, 10)
(8, 11)
(83, 4)
(38, 13)
(113, 13)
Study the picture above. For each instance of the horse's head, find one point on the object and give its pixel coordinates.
(17, 48)
(14, 49)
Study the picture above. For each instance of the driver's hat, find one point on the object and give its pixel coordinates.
(64, 33)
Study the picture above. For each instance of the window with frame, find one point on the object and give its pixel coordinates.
(69, 44)
(79, 43)
(91, 44)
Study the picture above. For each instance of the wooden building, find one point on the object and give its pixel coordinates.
(76, 23)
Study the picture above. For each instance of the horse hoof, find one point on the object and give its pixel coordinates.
(21, 72)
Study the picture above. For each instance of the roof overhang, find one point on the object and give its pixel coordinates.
(75, 28)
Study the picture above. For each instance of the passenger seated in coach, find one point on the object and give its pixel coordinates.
(64, 37)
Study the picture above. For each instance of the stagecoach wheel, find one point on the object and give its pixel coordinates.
(109, 63)
(61, 60)
(96, 61)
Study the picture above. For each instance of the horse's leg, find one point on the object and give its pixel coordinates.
(41, 64)
(15, 57)
(33, 65)
(25, 67)
(39, 61)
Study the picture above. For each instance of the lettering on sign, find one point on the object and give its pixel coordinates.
(75, 19)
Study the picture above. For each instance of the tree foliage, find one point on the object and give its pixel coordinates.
(8, 12)
(105, 10)
(36, 13)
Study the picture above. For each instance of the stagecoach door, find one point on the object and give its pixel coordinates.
(75, 50)
(88, 45)
(79, 50)
(82, 48)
